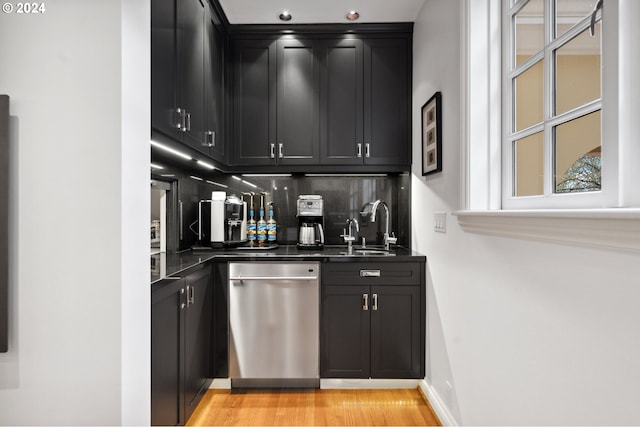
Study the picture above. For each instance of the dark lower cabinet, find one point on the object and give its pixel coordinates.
(181, 309)
(344, 332)
(372, 326)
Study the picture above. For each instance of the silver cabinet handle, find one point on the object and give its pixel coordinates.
(191, 295)
(273, 278)
(367, 150)
(280, 150)
(359, 150)
(180, 218)
(273, 151)
(365, 297)
(183, 305)
(369, 273)
(188, 123)
(180, 119)
(375, 302)
(210, 139)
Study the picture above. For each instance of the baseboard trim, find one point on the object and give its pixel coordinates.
(438, 406)
(365, 383)
(221, 384)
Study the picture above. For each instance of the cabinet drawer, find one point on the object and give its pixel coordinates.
(356, 273)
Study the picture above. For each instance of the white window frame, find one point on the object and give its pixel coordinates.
(615, 223)
(549, 199)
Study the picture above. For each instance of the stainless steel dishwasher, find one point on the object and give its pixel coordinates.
(274, 324)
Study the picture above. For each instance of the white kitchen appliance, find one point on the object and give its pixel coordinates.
(226, 225)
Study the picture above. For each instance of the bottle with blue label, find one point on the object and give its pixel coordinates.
(262, 229)
(271, 226)
(251, 226)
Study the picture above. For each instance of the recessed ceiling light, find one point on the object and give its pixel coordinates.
(353, 15)
(285, 16)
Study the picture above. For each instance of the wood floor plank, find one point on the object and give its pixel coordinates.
(289, 407)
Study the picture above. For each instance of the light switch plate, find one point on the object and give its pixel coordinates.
(440, 222)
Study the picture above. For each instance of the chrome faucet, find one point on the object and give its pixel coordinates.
(350, 238)
(372, 218)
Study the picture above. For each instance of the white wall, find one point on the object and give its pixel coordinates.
(526, 333)
(72, 295)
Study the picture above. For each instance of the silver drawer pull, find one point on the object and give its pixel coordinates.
(369, 273)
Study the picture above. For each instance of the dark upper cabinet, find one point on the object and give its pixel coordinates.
(298, 113)
(214, 92)
(181, 310)
(163, 68)
(372, 320)
(276, 112)
(317, 101)
(190, 56)
(387, 95)
(342, 102)
(187, 78)
(254, 95)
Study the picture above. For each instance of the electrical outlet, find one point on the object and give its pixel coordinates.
(440, 222)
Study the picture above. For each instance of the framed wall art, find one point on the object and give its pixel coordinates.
(432, 135)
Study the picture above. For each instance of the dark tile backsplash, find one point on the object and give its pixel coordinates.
(344, 197)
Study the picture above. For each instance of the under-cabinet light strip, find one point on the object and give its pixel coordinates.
(205, 164)
(171, 150)
(216, 183)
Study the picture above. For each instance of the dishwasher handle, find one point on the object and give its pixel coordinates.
(274, 278)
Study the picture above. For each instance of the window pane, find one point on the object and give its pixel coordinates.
(570, 12)
(529, 96)
(578, 71)
(577, 155)
(529, 165)
(529, 31)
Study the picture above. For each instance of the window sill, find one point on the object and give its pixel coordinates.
(617, 229)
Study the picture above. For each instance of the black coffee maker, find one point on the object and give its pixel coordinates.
(310, 222)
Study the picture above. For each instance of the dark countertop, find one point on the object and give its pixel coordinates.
(168, 264)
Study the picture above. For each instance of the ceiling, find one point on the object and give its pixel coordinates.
(320, 11)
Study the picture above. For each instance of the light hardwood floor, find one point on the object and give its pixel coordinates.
(285, 407)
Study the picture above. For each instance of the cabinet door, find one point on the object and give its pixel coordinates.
(214, 89)
(344, 332)
(190, 54)
(386, 98)
(254, 124)
(395, 332)
(197, 330)
(341, 102)
(298, 114)
(167, 340)
(163, 71)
